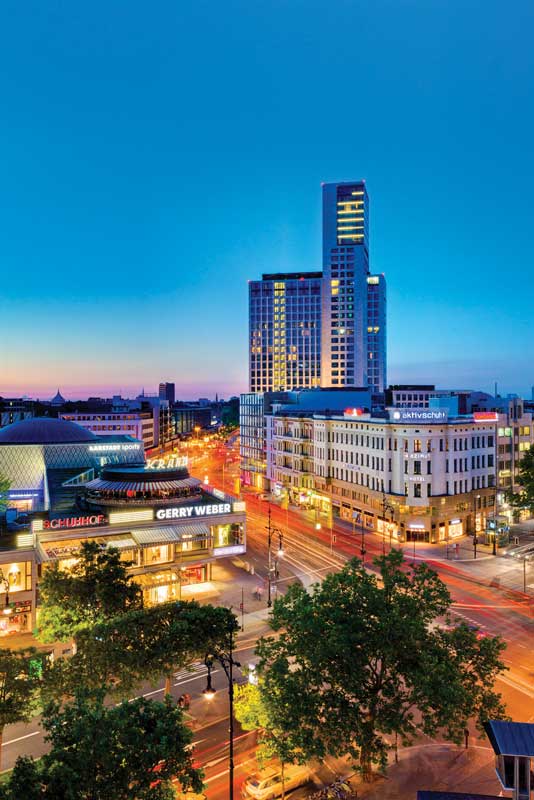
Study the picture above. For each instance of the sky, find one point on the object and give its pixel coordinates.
(155, 157)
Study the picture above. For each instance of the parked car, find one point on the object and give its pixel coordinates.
(267, 784)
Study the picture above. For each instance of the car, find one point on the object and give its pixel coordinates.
(267, 784)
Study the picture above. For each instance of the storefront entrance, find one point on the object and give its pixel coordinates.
(417, 535)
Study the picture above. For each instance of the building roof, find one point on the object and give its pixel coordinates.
(58, 399)
(511, 738)
(45, 430)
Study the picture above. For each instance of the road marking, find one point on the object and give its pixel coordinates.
(20, 738)
(517, 685)
(237, 766)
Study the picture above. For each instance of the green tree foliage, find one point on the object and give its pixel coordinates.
(95, 589)
(358, 660)
(143, 644)
(131, 751)
(255, 710)
(24, 781)
(4, 489)
(525, 497)
(19, 684)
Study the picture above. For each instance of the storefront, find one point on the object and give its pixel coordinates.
(455, 528)
(16, 584)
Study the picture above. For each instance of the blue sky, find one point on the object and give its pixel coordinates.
(153, 158)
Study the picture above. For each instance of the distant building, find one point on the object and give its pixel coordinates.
(167, 392)
(58, 399)
(15, 409)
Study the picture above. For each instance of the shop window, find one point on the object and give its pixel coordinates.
(18, 575)
(157, 555)
(227, 535)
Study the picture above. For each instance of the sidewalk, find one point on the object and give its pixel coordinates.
(435, 767)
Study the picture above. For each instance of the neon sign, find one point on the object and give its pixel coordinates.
(74, 522)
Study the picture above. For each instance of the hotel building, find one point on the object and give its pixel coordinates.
(285, 332)
(328, 329)
(415, 474)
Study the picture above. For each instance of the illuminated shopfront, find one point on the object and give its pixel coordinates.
(456, 528)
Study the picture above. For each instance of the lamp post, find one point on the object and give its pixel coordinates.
(475, 538)
(386, 507)
(227, 662)
(270, 533)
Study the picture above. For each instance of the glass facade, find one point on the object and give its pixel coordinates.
(285, 332)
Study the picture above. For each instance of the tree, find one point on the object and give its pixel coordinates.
(525, 497)
(254, 710)
(24, 781)
(4, 489)
(19, 683)
(142, 644)
(358, 660)
(131, 751)
(95, 589)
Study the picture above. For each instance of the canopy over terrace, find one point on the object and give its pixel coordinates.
(139, 484)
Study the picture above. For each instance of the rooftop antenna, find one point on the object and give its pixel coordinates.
(495, 388)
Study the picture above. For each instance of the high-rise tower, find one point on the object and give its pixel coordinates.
(345, 271)
(285, 332)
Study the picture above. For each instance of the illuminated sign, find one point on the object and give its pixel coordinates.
(174, 462)
(485, 416)
(353, 412)
(184, 512)
(113, 448)
(424, 415)
(74, 522)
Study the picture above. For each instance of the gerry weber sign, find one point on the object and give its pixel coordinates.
(423, 415)
(184, 512)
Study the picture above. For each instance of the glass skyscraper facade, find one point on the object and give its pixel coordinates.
(285, 332)
(376, 333)
(323, 329)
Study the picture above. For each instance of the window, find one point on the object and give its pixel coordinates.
(417, 445)
(417, 468)
(417, 490)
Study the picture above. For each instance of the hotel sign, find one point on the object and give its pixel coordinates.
(185, 512)
(418, 415)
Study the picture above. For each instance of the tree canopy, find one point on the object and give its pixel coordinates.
(131, 751)
(20, 678)
(358, 659)
(95, 589)
(4, 489)
(524, 498)
(142, 644)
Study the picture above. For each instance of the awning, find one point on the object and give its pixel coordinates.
(156, 487)
(122, 544)
(145, 537)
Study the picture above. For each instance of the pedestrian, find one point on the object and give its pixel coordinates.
(260, 592)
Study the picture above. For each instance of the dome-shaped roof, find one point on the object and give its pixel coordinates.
(45, 430)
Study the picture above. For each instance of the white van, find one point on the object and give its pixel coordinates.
(267, 784)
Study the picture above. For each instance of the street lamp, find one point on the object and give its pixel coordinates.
(475, 539)
(386, 507)
(227, 662)
(270, 532)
